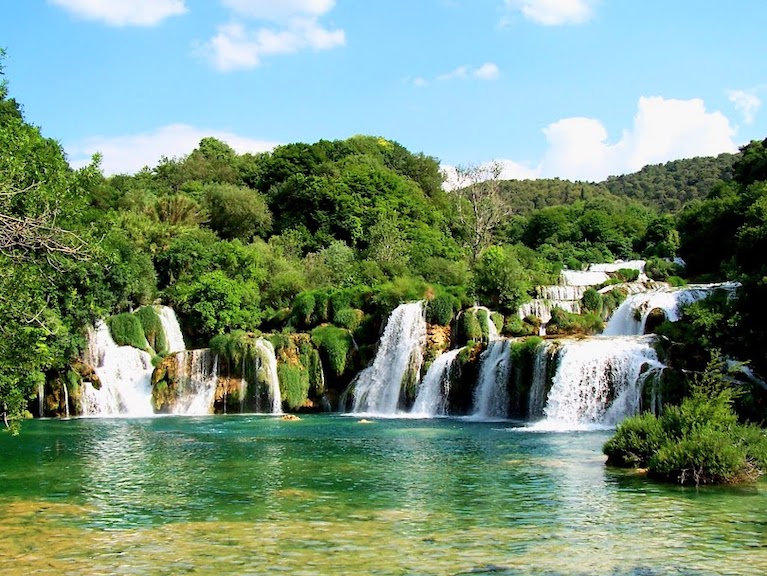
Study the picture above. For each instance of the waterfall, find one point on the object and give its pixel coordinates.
(66, 400)
(630, 319)
(267, 370)
(171, 328)
(197, 381)
(599, 381)
(491, 397)
(537, 399)
(578, 278)
(433, 393)
(377, 388)
(41, 399)
(125, 374)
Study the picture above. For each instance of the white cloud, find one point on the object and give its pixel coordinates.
(554, 12)
(288, 26)
(663, 130)
(420, 81)
(278, 10)
(746, 102)
(487, 71)
(130, 153)
(124, 12)
(510, 170)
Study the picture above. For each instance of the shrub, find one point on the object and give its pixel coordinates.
(294, 384)
(628, 274)
(699, 441)
(303, 308)
(518, 327)
(349, 318)
(484, 323)
(335, 344)
(497, 319)
(440, 310)
(592, 301)
(635, 441)
(469, 327)
(153, 330)
(126, 330)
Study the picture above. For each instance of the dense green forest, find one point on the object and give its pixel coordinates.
(327, 238)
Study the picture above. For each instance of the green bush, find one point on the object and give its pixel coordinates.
(126, 330)
(497, 319)
(484, 323)
(628, 274)
(518, 327)
(349, 318)
(441, 309)
(335, 344)
(635, 441)
(699, 441)
(303, 308)
(153, 330)
(592, 301)
(294, 384)
(613, 299)
(469, 327)
(563, 322)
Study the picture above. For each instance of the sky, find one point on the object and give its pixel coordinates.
(574, 89)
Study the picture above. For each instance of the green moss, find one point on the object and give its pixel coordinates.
(497, 319)
(484, 323)
(441, 309)
(153, 330)
(335, 344)
(349, 318)
(126, 330)
(294, 384)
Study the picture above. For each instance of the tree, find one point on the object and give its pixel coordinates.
(480, 205)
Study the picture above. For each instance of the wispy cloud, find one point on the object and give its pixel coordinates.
(746, 102)
(553, 12)
(123, 12)
(284, 27)
(487, 71)
(126, 154)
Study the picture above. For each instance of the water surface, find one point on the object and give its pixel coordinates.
(330, 495)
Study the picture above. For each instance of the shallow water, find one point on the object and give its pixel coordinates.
(329, 495)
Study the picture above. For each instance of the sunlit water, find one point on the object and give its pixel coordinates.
(330, 495)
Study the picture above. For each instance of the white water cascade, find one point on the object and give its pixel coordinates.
(433, 392)
(491, 397)
(377, 388)
(630, 319)
(537, 399)
(125, 374)
(171, 328)
(492, 329)
(197, 381)
(599, 381)
(267, 371)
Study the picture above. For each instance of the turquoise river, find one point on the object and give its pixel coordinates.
(333, 495)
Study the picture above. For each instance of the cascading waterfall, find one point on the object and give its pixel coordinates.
(433, 392)
(267, 370)
(125, 374)
(377, 388)
(492, 329)
(171, 328)
(491, 397)
(599, 381)
(66, 400)
(41, 399)
(630, 319)
(198, 378)
(537, 399)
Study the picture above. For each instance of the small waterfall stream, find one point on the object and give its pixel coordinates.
(267, 370)
(198, 378)
(630, 319)
(172, 330)
(377, 388)
(491, 397)
(537, 399)
(433, 392)
(125, 374)
(599, 381)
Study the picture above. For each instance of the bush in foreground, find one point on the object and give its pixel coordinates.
(698, 442)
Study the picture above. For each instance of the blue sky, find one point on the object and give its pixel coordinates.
(575, 89)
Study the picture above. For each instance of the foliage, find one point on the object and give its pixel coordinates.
(500, 280)
(294, 384)
(441, 309)
(127, 330)
(335, 345)
(469, 327)
(153, 329)
(563, 322)
(592, 301)
(349, 318)
(699, 441)
(237, 212)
